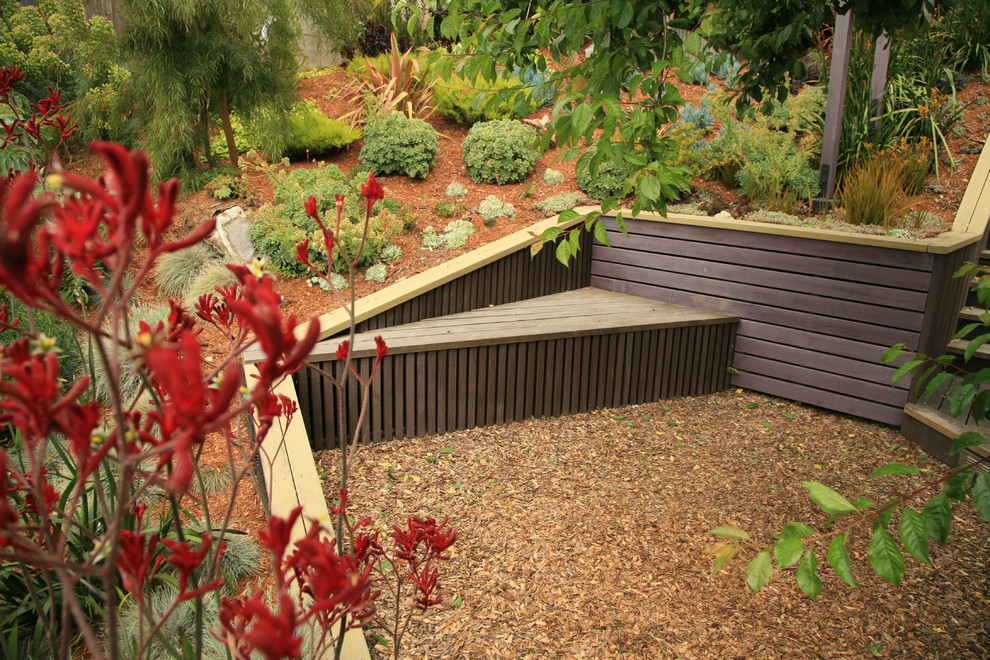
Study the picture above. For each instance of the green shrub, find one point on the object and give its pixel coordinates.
(607, 182)
(395, 144)
(500, 151)
(553, 177)
(446, 208)
(468, 102)
(226, 186)
(337, 282)
(455, 234)
(314, 134)
(381, 232)
(175, 271)
(455, 190)
(773, 170)
(376, 273)
(559, 203)
(72, 359)
(390, 253)
(278, 227)
(493, 207)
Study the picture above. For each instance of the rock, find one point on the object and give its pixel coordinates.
(231, 235)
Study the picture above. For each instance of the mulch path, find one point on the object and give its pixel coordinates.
(585, 536)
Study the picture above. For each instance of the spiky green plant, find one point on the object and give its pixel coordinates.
(130, 376)
(208, 278)
(175, 271)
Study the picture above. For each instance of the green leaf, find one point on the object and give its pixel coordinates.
(893, 353)
(895, 468)
(649, 187)
(887, 510)
(966, 440)
(601, 233)
(625, 15)
(827, 499)
(563, 252)
(838, 559)
(567, 216)
(581, 118)
(981, 405)
(914, 535)
(759, 571)
(807, 576)
(788, 551)
(960, 399)
(959, 484)
(938, 516)
(730, 532)
(885, 557)
(862, 503)
(906, 368)
(796, 530)
(966, 329)
(974, 345)
(935, 383)
(724, 552)
(981, 495)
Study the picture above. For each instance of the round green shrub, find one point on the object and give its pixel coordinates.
(606, 183)
(500, 151)
(313, 134)
(395, 144)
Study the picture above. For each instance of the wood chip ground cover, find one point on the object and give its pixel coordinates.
(583, 536)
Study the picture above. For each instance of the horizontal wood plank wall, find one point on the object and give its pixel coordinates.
(446, 390)
(518, 276)
(816, 315)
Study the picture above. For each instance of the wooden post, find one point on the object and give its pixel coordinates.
(878, 79)
(837, 79)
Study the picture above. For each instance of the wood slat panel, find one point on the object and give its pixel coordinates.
(815, 314)
(833, 266)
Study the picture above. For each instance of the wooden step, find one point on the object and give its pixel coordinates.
(972, 314)
(548, 356)
(934, 430)
(958, 346)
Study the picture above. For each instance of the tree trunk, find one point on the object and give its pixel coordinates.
(228, 131)
(204, 129)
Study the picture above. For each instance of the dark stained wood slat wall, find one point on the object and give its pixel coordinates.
(518, 276)
(816, 315)
(445, 390)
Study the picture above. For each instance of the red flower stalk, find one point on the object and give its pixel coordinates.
(381, 350)
(257, 308)
(249, 625)
(372, 191)
(343, 349)
(186, 561)
(137, 558)
(279, 533)
(9, 75)
(30, 395)
(190, 406)
(337, 585)
(426, 583)
(28, 267)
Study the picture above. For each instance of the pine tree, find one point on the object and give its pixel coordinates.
(196, 60)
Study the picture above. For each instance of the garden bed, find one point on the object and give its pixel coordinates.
(583, 536)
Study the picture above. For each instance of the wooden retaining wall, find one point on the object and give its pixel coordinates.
(818, 307)
(549, 356)
(515, 276)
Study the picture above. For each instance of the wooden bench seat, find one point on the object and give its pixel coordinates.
(557, 354)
